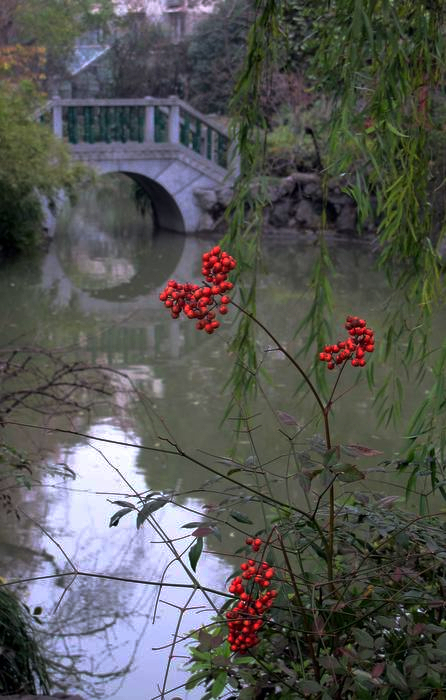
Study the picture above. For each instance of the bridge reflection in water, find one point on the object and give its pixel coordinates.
(109, 264)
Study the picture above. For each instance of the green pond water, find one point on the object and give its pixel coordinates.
(94, 295)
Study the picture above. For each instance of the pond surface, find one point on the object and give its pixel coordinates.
(95, 295)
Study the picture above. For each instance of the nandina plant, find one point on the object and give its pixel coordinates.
(341, 599)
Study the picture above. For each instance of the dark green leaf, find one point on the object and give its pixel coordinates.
(149, 508)
(124, 504)
(331, 457)
(308, 687)
(240, 517)
(116, 517)
(196, 679)
(195, 553)
(348, 473)
(395, 677)
(363, 638)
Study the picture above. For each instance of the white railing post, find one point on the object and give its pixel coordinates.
(57, 116)
(174, 123)
(149, 121)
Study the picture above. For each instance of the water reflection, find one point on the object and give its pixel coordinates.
(113, 251)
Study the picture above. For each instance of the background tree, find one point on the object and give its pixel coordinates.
(34, 165)
(51, 26)
(144, 61)
(215, 55)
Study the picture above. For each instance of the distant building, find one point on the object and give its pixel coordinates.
(179, 15)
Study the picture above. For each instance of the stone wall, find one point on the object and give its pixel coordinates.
(296, 202)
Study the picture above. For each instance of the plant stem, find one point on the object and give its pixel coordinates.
(325, 409)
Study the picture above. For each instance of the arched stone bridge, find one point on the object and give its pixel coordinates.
(168, 147)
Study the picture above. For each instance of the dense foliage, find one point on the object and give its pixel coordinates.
(215, 55)
(50, 26)
(33, 164)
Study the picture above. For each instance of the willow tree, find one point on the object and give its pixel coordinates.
(382, 64)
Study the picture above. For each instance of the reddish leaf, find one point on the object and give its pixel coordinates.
(360, 451)
(286, 418)
(387, 502)
(378, 669)
(202, 531)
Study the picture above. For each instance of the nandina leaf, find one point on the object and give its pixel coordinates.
(331, 663)
(395, 677)
(240, 517)
(378, 669)
(124, 504)
(360, 451)
(149, 508)
(203, 531)
(196, 679)
(191, 525)
(363, 638)
(116, 517)
(286, 418)
(309, 687)
(209, 641)
(331, 456)
(195, 553)
(347, 472)
(219, 684)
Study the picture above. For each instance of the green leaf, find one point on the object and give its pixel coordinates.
(116, 517)
(191, 525)
(240, 517)
(363, 638)
(149, 508)
(395, 677)
(331, 457)
(196, 679)
(347, 473)
(309, 686)
(395, 131)
(219, 684)
(195, 553)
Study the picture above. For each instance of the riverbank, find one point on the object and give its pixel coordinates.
(296, 202)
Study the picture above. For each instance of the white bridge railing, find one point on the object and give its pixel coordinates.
(149, 120)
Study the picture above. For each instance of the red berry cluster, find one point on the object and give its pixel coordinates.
(359, 342)
(247, 617)
(199, 301)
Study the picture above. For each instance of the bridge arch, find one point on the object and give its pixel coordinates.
(166, 212)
